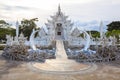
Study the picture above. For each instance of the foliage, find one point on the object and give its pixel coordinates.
(115, 25)
(4, 24)
(94, 34)
(2, 47)
(113, 29)
(81, 35)
(27, 25)
(115, 33)
(6, 31)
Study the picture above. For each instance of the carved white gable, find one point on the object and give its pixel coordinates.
(42, 32)
(75, 31)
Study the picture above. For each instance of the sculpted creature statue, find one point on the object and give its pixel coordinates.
(9, 40)
(32, 45)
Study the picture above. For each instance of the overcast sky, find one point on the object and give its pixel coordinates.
(85, 11)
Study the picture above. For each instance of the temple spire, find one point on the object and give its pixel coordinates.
(59, 9)
(101, 29)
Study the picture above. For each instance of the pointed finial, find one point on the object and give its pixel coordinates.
(59, 9)
(101, 23)
(17, 23)
(101, 29)
(17, 29)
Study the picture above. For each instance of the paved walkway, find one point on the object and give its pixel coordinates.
(16, 70)
(60, 50)
(61, 65)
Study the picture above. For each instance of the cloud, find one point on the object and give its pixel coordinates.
(78, 10)
(13, 7)
(91, 25)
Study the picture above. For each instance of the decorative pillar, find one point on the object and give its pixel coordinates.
(101, 30)
(17, 29)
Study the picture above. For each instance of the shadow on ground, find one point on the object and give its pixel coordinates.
(6, 65)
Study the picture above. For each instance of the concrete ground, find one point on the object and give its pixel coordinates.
(16, 70)
(61, 65)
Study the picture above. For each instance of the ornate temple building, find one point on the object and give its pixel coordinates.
(59, 27)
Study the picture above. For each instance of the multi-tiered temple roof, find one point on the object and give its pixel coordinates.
(59, 17)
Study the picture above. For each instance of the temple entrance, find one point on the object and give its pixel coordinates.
(59, 31)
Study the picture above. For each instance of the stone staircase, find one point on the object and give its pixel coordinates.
(60, 50)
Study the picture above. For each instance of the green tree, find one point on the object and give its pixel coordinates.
(27, 25)
(115, 25)
(113, 29)
(115, 33)
(108, 33)
(4, 24)
(94, 34)
(5, 29)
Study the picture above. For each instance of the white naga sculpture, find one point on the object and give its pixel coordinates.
(87, 44)
(32, 44)
(86, 38)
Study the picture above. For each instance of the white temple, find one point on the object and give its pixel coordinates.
(59, 28)
(51, 39)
